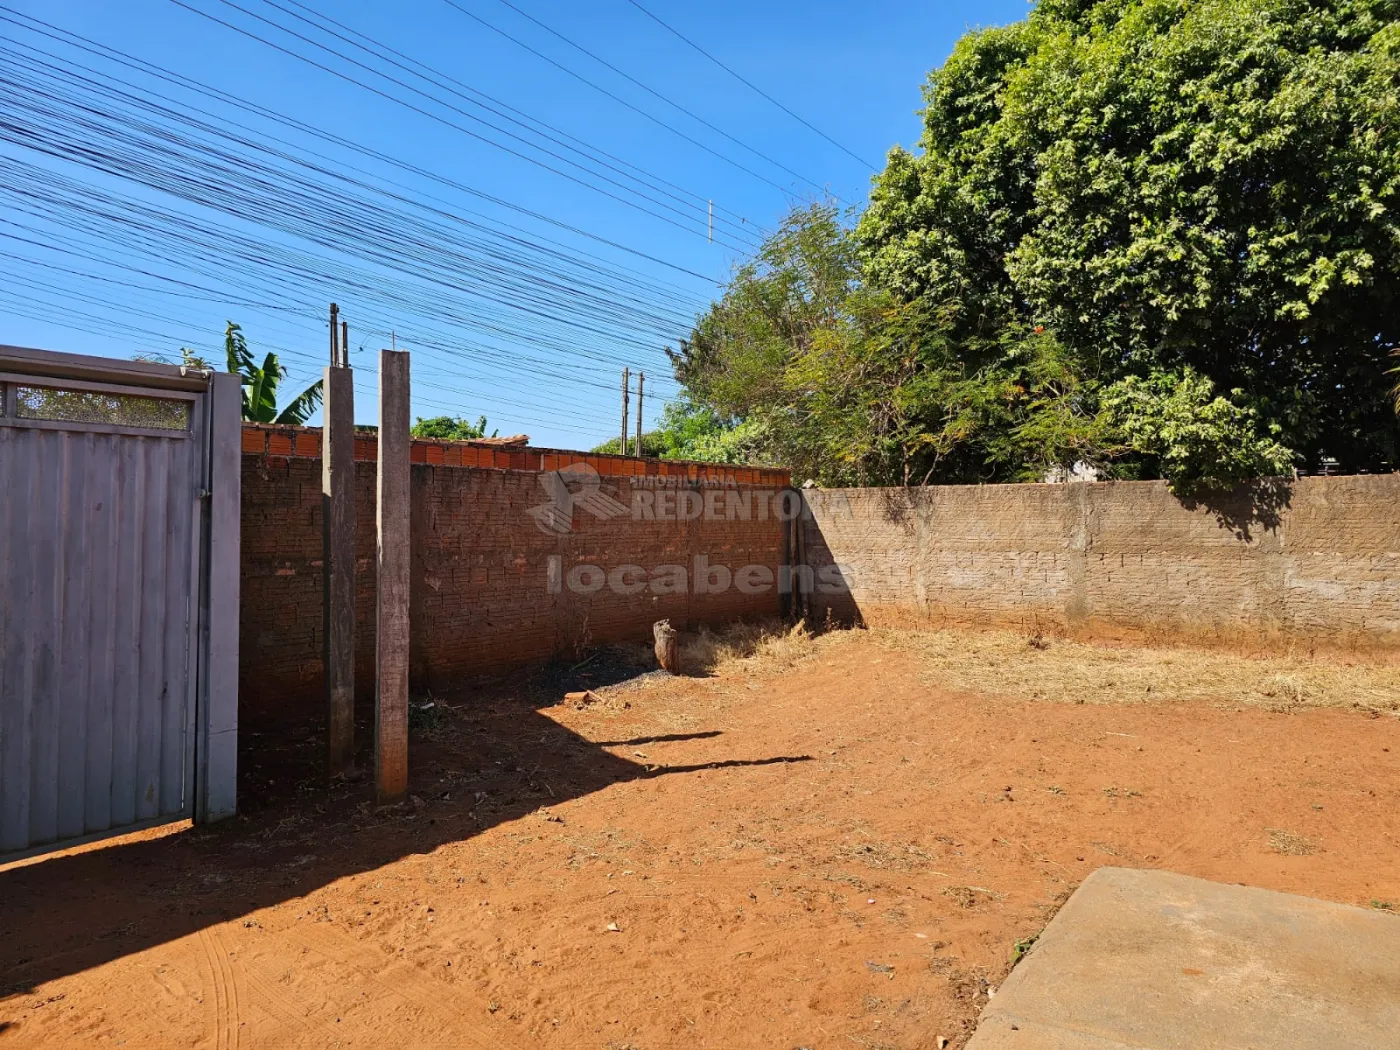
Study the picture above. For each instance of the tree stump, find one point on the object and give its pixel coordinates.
(668, 646)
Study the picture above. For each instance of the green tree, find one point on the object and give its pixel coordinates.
(843, 381)
(1182, 192)
(450, 428)
(260, 384)
(696, 432)
(1154, 236)
(783, 366)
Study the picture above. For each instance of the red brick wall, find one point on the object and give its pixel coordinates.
(481, 597)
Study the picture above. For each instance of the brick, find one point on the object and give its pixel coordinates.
(478, 570)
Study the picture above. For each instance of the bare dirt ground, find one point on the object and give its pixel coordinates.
(832, 843)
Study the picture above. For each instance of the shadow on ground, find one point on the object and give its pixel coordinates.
(483, 755)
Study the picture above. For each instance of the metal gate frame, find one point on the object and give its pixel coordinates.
(216, 423)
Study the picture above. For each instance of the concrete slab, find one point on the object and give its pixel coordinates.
(1150, 960)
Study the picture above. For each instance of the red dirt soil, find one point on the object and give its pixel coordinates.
(835, 856)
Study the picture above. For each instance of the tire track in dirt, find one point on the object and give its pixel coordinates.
(279, 1004)
(397, 979)
(227, 1028)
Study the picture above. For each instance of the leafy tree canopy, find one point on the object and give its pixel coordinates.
(695, 432)
(450, 428)
(1157, 236)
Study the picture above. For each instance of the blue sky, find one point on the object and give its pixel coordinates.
(522, 278)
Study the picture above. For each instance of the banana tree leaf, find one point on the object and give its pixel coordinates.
(302, 406)
(263, 394)
(240, 358)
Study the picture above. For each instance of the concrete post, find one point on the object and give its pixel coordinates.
(338, 521)
(391, 638)
(216, 781)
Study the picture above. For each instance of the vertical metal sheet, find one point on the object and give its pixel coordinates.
(103, 509)
(98, 558)
(130, 522)
(176, 742)
(15, 688)
(43, 547)
(76, 620)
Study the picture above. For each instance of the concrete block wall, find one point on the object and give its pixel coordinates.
(481, 594)
(1312, 560)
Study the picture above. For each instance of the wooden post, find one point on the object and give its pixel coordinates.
(391, 638)
(789, 599)
(800, 593)
(338, 572)
(668, 646)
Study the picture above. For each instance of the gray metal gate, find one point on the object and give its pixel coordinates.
(106, 485)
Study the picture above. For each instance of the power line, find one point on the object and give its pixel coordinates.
(504, 286)
(171, 238)
(377, 50)
(749, 84)
(653, 92)
(418, 109)
(104, 325)
(138, 161)
(418, 65)
(99, 50)
(166, 242)
(618, 98)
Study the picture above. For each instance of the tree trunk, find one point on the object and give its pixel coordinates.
(668, 646)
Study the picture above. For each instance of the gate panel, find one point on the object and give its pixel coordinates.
(99, 556)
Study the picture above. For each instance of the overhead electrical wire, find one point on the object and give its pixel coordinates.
(416, 68)
(534, 297)
(467, 93)
(656, 94)
(750, 84)
(616, 98)
(216, 251)
(132, 62)
(700, 228)
(64, 313)
(140, 160)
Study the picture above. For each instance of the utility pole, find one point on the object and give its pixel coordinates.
(626, 382)
(641, 379)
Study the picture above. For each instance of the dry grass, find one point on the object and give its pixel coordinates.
(1064, 671)
(766, 647)
(1058, 670)
(1290, 844)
